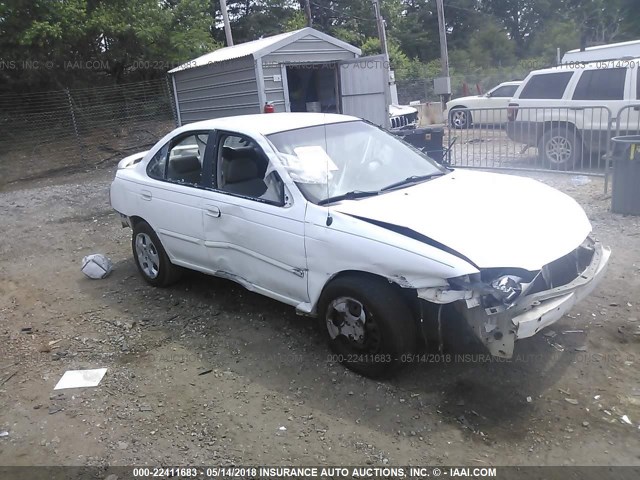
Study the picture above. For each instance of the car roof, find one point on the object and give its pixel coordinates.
(269, 123)
(515, 82)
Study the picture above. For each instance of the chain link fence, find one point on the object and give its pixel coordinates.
(67, 130)
(462, 85)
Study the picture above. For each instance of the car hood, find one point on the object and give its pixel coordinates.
(456, 101)
(494, 220)
(395, 110)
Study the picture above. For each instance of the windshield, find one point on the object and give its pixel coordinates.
(332, 160)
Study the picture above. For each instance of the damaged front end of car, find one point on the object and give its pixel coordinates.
(502, 305)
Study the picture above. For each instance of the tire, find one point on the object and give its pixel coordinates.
(150, 257)
(387, 328)
(560, 148)
(460, 118)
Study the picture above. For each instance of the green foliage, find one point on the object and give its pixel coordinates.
(76, 42)
(401, 64)
(558, 33)
(138, 39)
(491, 47)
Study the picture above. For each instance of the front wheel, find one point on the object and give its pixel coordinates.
(368, 324)
(151, 259)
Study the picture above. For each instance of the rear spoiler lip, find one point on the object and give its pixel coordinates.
(131, 160)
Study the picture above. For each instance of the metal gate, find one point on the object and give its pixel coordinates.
(555, 139)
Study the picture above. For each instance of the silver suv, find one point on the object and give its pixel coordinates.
(567, 111)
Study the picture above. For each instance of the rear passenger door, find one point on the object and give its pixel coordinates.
(254, 232)
(604, 87)
(171, 200)
(630, 116)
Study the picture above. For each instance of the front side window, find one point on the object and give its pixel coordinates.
(243, 169)
(546, 86)
(506, 91)
(327, 161)
(605, 84)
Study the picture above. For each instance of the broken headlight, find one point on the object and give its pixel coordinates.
(507, 288)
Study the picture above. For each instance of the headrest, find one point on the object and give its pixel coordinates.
(231, 153)
(185, 164)
(241, 170)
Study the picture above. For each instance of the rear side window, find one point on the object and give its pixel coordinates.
(546, 85)
(605, 84)
(157, 165)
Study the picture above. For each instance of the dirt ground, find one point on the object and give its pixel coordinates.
(207, 373)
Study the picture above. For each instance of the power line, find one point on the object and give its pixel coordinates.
(471, 10)
(341, 14)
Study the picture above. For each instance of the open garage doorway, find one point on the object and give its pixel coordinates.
(313, 88)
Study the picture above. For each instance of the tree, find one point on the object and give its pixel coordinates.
(253, 19)
(521, 18)
(491, 47)
(599, 21)
(84, 41)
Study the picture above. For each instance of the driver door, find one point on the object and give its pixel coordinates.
(498, 100)
(253, 231)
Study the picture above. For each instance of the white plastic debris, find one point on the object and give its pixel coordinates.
(81, 378)
(625, 419)
(96, 266)
(283, 429)
(4, 434)
(529, 399)
(580, 180)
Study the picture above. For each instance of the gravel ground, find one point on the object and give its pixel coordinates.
(206, 372)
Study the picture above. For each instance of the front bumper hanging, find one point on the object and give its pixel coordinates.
(499, 330)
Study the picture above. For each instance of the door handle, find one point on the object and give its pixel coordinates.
(146, 195)
(212, 211)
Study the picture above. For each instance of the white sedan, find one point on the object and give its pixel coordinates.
(487, 109)
(344, 221)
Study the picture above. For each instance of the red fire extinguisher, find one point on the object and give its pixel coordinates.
(268, 107)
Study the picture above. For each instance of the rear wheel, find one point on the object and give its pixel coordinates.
(368, 324)
(560, 148)
(460, 118)
(150, 257)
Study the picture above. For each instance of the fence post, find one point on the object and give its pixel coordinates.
(75, 124)
(171, 98)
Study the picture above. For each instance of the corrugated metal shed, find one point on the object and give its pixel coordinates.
(263, 46)
(238, 80)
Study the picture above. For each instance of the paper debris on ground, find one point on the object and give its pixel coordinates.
(96, 266)
(80, 378)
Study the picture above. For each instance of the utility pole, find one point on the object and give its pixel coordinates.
(225, 19)
(444, 55)
(382, 33)
(307, 12)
